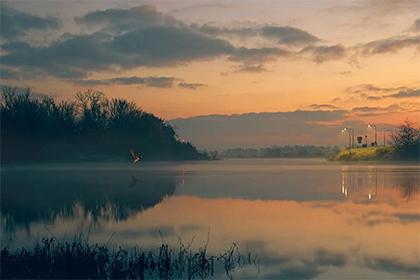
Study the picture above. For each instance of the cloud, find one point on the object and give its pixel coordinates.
(327, 258)
(376, 110)
(144, 38)
(159, 82)
(242, 31)
(128, 19)
(254, 68)
(391, 265)
(15, 24)
(262, 129)
(323, 107)
(284, 35)
(201, 8)
(416, 26)
(164, 45)
(365, 91)
(371, 9)
(344, 72)
(373, 98)
(390, 45)
(367, 109)
(405, 93)
(76, 56)
(321, 54)
(289, 35)
(408, 217)
(192, 86)
(367, 88)
(257, 55)
(252, 59)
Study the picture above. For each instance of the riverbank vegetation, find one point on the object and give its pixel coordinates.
(404, 145)
(91, 127)
(52, 259)
(369, 153)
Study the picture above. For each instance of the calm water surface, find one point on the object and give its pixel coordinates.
(304, 218)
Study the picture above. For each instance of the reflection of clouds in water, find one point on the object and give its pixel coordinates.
(411, 217)
(302, 270)
(367, 217)
(276, 266)
(293, 266)
(393, 265)
(157, 231)
(190, 228)
(147, 232)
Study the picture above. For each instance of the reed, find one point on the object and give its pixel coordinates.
(50, 258)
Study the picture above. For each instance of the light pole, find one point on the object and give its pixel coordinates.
(350, 131)
(376, 132)
(385, 131)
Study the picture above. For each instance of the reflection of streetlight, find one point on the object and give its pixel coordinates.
(376, 133)
(350, 131)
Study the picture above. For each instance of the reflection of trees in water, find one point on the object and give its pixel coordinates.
(408, 185)
(33, 196)
(354, 181)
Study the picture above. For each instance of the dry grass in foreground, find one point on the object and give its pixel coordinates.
(70, 260)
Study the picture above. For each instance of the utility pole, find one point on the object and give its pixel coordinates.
(350, 131)
(385, 131)
(376, 133)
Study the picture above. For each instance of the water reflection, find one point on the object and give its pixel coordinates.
(29, 196)
(310, 220)
(371, 184)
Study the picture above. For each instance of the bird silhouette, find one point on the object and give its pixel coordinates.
(136, 158)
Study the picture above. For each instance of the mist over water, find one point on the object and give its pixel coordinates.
(304, 217)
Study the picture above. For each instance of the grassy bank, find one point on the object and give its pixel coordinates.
(79, 260)
(366, 154)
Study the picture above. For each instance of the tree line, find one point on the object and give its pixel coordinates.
(90, 127)
(304, 151)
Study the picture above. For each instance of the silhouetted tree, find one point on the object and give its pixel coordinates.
(92, 127)
(406, 141)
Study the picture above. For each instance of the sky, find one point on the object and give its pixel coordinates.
(182, 59)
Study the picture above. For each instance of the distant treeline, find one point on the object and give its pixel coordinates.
(91, 127)
(282, 152)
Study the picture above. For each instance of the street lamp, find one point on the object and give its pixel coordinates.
(385, 131)
(376, 132)
(350, 131)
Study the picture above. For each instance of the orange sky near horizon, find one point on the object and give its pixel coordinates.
(310, 76)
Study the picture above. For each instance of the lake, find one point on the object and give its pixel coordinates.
(304, 218)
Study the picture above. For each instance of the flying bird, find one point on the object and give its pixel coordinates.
(136, 158)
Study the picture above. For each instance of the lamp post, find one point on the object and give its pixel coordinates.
(350, 131)
(385, 131)
(376, 132)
